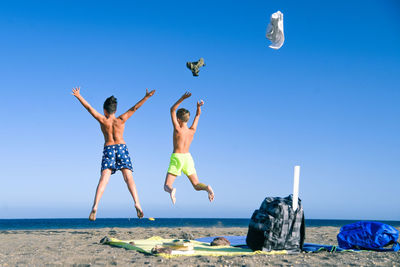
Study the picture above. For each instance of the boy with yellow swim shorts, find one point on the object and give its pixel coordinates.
(181, 160)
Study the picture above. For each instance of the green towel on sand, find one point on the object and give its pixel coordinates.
(200, 248)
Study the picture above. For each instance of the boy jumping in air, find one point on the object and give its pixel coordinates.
(181, 160)
(115, 153)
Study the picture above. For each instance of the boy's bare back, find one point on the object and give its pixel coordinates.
(113, 130)
(183, 137)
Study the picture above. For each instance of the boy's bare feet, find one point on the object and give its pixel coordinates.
(92, 216)
(139, 211)
(173, 198)
(210, 193)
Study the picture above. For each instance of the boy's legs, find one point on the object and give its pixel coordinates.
(104, 178)
(169, 180)
(200, 186)
(128, 177)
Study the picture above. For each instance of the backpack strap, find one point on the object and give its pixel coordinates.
(396, 246)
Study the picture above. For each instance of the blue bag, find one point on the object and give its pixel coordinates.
(368, 235)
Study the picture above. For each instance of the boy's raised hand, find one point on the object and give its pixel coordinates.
(76, 91)
(149, 94)
(200, 103)
(198, 112)
(186, 95)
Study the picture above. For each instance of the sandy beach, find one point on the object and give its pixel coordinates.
(81, 247)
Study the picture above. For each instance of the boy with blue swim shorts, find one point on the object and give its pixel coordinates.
(115, 152)
(181, 160)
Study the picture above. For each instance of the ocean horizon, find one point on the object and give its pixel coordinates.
(84, 223)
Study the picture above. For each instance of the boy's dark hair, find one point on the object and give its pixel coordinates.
(183, 114)
(110, 105)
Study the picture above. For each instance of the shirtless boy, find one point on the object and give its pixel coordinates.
(181, 160)
(115, 153)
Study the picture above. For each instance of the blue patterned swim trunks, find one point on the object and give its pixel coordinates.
(116, 157)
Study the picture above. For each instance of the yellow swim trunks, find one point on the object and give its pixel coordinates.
(181, 162)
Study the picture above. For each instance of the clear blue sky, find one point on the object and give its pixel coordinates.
(328, 100)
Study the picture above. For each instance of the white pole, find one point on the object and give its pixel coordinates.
(296, 187)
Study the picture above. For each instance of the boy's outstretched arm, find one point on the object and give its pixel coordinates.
(198, 112)
(132, 110)
(92, 111)
(175, 107)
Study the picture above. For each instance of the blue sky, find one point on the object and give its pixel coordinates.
(328, 101)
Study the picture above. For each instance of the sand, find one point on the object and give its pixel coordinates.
(81, 247)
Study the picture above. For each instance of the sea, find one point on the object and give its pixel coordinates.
(80, 223)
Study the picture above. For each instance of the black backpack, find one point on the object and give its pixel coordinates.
(275, 226)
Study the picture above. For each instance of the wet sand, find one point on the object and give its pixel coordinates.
(81, 247)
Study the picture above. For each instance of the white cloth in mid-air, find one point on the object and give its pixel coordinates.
(275, 30)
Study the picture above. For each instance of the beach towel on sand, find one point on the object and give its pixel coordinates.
(199, 248)
(240, 241)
